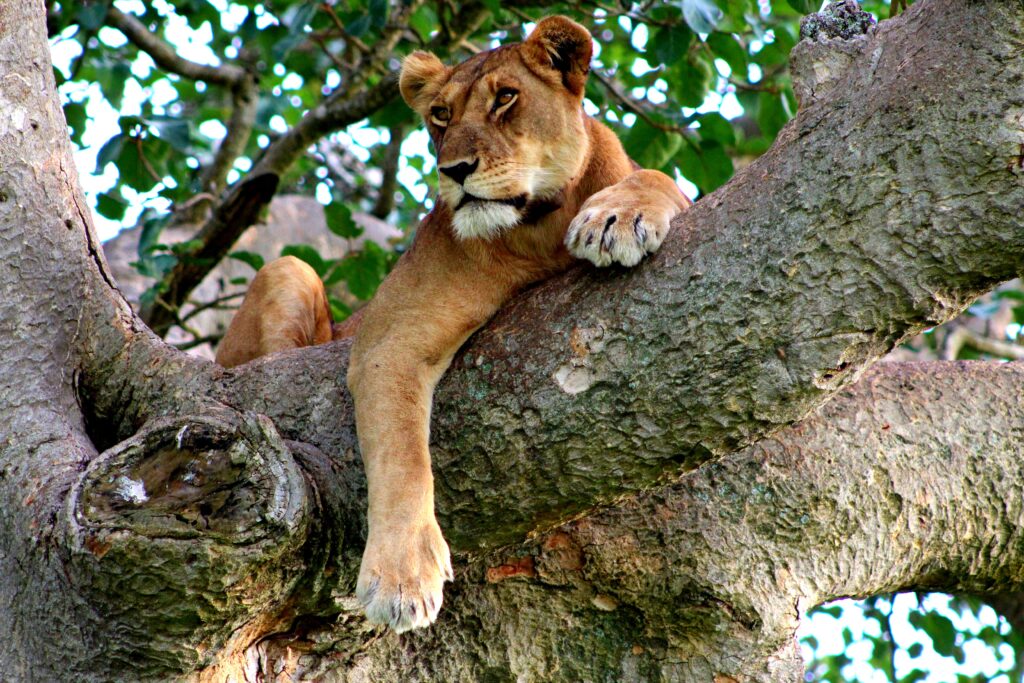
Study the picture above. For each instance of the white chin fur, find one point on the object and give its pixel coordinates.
(484, 219)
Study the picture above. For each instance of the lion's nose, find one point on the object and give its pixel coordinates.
(460, 171)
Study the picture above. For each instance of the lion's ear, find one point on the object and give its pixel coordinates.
(422, 76)
(562, 44)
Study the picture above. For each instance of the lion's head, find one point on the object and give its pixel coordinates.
(507, 124)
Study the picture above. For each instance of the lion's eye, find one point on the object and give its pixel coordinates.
(505, 97)
(440, 115)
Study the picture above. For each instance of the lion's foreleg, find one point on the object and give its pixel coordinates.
(418, 319)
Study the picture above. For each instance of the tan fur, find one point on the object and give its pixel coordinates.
(285, 308)
(566, 169)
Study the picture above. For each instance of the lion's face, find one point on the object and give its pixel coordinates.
(507, 124)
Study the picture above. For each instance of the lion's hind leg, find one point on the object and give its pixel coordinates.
(285, 308)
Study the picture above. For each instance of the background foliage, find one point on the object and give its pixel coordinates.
(172, 104)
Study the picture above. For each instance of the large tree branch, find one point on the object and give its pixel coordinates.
(910, 480)
(166, 57)
(771, 295)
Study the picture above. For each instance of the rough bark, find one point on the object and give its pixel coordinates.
(163, 517)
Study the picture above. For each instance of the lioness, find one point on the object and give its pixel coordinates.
(528, 183)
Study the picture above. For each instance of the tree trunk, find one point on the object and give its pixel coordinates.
(163, 517)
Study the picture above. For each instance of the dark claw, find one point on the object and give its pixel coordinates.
(639, 230)
(590, 239)
(605, 242)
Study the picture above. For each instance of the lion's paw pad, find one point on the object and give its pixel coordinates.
(606, 232)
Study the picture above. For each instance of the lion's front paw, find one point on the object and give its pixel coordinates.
(612, 227)
(401, 577)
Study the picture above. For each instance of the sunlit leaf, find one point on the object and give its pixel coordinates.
(308, 254)
(701, 15)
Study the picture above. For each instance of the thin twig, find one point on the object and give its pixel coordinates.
(348, 37)
(145, 162)
(342, 66)
(211, 339)
(639, 110)
(963, 336)
(215, 304)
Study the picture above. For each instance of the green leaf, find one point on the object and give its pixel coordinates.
(772, 113)
(301, 16)
(183, 249)
(942, 632)
(91, 16)
(689, 81)
(714, 126)
(149, 238)
(176, 132)
(155, 266)
(701, 15)
(690, 165)
(493, 6)
(727, 47)
(111, 205)
(339, 221)
(650, 147)
(835, 611)
(717, 165)
(669, 44)
(112, 82)
(378, 13)
(394, 113)
(141, 163)
(339, 309)
(74, 114)
(359, 26)
(424, 20)
(109, 152)
(363, 271)
(254, 260)
(307, 254)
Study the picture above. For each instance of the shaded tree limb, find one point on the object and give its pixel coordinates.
(389, 170)
(244, 105)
